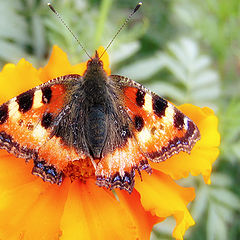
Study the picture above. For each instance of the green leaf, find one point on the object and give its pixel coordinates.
(216, 228)
(226, 197)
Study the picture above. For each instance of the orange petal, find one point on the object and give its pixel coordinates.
(163, 197)
(28, 206)
(143, 219)
(47, 210)
(59, 65)
(94, 213)
(32, 211)
(14, 171)
(203, 154)
(15, 79)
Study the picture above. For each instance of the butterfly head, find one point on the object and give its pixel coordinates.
(95, 71)
(95, 63)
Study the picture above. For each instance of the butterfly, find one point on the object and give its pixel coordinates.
(109, 123)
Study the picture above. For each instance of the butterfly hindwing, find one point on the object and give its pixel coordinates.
(117, 169)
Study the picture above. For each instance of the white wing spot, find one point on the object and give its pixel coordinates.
(144, 136)
(169, 115)
(148, 103)
(39, 132)
(37, 100)
(13, 107)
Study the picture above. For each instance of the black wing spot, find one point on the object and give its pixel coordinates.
(3, 113)
(46, 95)
(138, 123)
(140, 98)
(159, 106)
(179, 120)
(47, 120)
(25, 101)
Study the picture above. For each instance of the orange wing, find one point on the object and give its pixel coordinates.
(25, 128)
(161, 130)
(117, 169)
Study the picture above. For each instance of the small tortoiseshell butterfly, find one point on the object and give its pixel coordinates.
(108, 122)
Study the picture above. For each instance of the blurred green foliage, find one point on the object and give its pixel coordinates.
(187, 51)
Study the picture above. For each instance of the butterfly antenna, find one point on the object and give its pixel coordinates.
(123, 25)
(68, 28)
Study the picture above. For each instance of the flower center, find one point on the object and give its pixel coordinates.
(79, 169)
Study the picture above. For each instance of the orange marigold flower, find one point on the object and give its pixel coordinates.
(33, 209)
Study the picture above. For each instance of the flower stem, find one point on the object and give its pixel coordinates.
(104, 9)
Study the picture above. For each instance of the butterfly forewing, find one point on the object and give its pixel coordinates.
(161, 130)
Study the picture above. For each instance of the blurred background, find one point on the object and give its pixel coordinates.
(186, 51)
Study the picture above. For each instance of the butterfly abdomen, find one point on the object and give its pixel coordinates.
(96, 130)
